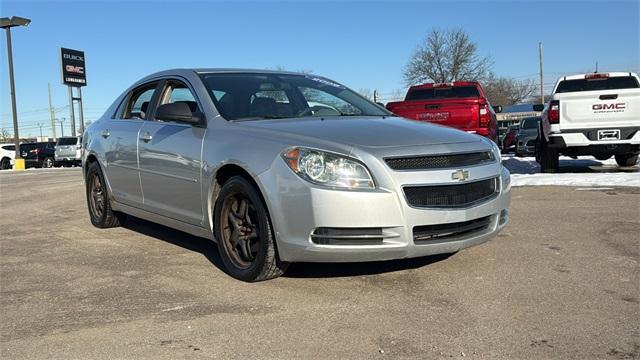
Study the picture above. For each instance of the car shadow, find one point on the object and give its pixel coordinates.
(297, 270)
(334, 270)
(178, 238)
(528, 165)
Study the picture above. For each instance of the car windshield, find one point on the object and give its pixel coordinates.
(257, 96)
(596, 84)
(67, 141)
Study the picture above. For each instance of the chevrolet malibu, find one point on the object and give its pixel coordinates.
(279, 167)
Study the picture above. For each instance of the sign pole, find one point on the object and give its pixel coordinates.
(71, 112)
(80, 113)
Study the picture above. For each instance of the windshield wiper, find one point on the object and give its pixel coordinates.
(264, 117)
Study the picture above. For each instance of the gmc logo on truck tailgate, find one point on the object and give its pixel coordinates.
(618, 106)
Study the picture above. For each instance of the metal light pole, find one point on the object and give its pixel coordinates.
(7, 24)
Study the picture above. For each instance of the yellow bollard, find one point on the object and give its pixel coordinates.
(18, 165)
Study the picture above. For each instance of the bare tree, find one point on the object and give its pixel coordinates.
(368, 93)
(5, 134)
(507, 91)
(445, 56)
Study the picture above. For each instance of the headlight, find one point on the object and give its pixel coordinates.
(328, 169)
(496, 150)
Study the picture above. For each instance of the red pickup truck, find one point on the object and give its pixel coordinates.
(461, 104)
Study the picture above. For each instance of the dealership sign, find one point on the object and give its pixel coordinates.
(73, 68)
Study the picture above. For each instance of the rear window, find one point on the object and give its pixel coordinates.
(443, 93)
(67, 141)
(612, 83)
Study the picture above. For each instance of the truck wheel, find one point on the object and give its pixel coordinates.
(243, 231)
(627, 160)
(549, 157)
(602, 157)
(100, 212)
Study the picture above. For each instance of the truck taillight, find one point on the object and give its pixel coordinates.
(34, 151)
(554, 112)
(484, 115)
(596, 76)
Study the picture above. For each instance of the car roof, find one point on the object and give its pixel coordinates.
(611, 74)
(190, 71)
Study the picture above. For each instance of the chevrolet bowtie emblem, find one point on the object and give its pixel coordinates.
(460, 175)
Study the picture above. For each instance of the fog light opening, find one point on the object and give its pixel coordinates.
(504, 216)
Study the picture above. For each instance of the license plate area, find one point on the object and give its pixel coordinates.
(434, 116)
(604, 135)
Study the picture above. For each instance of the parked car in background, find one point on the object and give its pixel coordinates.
(461, 105)
(68, 151)
(591, 114)
(509, 140)
(276, 167)
(527, 136)
(39, 154)
(7, 156)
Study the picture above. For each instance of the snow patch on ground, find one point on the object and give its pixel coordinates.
(585, 171)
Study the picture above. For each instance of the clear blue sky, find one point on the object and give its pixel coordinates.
(364, 45)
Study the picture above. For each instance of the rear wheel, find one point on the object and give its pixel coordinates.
(547, 157)
(243, 231)
(5, 164)
(100, 212)
(47, 163)
(627, 160)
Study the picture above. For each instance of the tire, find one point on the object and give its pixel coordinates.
(627, 160)
(549, 157)
(602, 157)
(100, 212)
(244, 233)
(47, 162)
(5, 164)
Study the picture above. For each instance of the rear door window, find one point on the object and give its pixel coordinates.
(444, 93)
(611, 83)
(139, 102)
(9, 147)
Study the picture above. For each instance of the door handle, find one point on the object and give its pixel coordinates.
(105, 133)
(146, 137)
(609, 97)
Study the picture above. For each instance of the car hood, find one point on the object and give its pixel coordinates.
(368, 131)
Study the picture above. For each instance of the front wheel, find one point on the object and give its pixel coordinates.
(100, 212)
(627, 160)
(244, 235)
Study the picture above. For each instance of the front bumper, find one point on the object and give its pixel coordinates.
(297, 209)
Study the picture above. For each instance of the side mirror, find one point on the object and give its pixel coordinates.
(178, 111)
(538, 107)
(497, 109)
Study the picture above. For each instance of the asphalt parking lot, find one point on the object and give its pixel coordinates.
(562, 281)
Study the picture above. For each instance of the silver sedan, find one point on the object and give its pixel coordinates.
(280, 167)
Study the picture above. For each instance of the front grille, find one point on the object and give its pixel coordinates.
(347, 236)
(457, 195)
(439, 161)
(428, 233)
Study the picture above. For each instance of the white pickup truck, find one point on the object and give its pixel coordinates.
(591, 114)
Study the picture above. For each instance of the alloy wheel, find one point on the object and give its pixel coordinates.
(240, 232)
